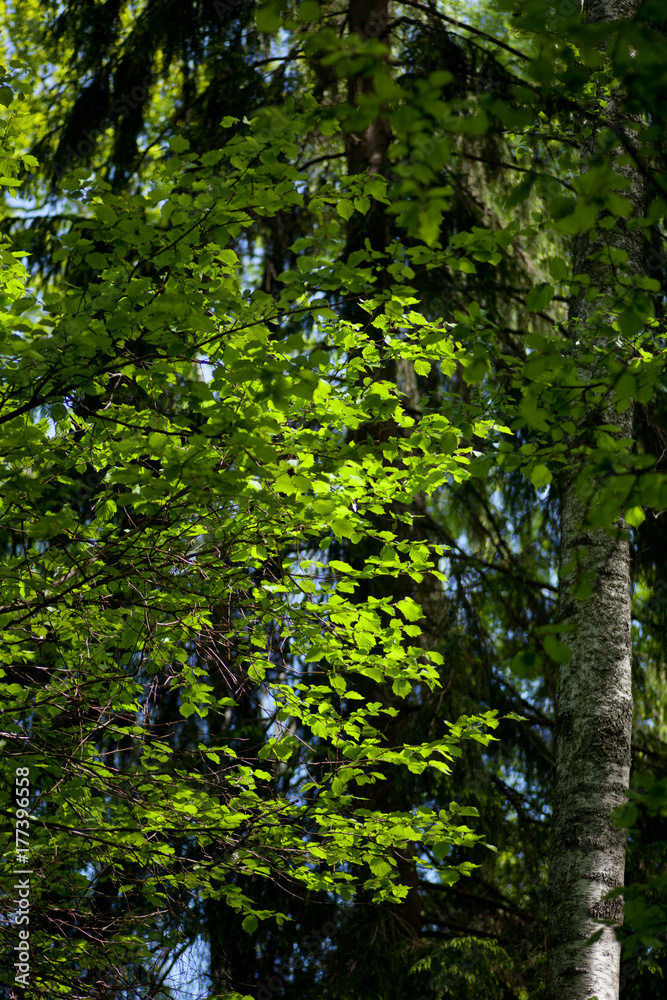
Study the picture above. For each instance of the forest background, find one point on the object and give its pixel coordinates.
(317, 316)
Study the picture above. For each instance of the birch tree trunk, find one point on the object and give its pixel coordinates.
(594, 708)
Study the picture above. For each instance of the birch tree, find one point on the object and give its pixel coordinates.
(594, 707)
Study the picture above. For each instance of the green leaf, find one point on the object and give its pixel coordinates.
(309, 10)
(178, 144)
(380, 867)
(634, 516)
(268, 18)
(557, 650)
(540, 476)
(430, 221)
(97, 261)
(539, 297)
(526, 664)
(441, 850)
(631, 323)
(559, 268)
(625, 815)
(410, 609)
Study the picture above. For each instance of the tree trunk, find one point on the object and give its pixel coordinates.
(367, 150)
(392, 930)
(594, 706)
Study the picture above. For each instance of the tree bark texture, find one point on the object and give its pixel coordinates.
(594, 705)
(367, 153)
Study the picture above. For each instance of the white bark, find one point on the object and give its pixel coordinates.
(594, 707)
(594, 718)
